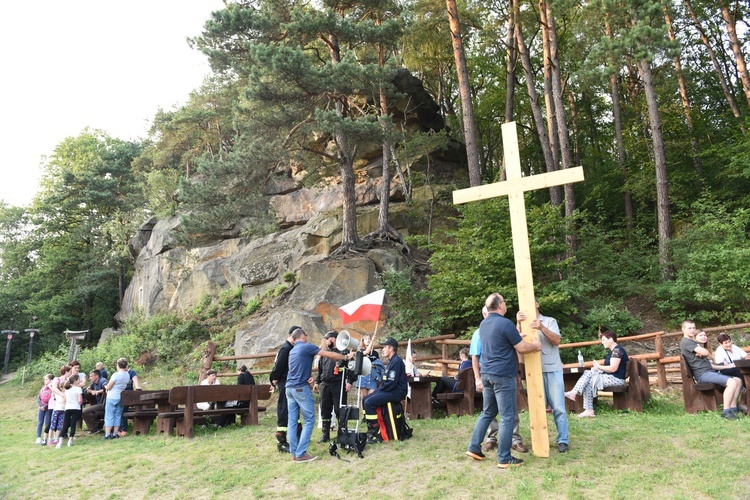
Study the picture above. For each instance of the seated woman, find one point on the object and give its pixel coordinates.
(726, 354)
(211, 379)
(449, 384)
(610, 374)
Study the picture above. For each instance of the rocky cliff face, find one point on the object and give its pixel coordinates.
(168, 278)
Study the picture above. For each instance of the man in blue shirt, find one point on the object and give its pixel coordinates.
(393, 389)
(501, 344)
(298, 394)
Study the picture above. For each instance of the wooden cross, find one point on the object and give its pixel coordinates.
(515, 187)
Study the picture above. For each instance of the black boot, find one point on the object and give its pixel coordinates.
(281, 443)
(326, 432)
(373, 433)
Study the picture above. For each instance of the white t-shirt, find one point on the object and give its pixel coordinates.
(204, 405)
(71, 398)
(722, 357)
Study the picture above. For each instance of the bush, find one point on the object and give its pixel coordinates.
(712, 268)
(410, 315)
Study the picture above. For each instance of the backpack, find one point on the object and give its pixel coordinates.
(348, 439)
(392, 417)
(377, 370)
(45, 395)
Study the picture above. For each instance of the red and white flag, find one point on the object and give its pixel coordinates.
(366, 308)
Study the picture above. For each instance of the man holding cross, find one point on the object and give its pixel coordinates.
(500, 342)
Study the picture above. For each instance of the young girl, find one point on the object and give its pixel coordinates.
(45, 412)
(73, 402)
(59, 406)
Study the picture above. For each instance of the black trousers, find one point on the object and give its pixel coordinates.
(282, 408)
(70, 419)
(330, 398)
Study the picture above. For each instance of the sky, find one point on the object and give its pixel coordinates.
(70, 64)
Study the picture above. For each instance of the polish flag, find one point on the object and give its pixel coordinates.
(366, 308)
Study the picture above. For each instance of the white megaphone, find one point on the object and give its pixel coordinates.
(360, 365)
(345, 341)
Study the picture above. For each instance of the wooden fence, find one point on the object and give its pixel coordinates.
(660, 364)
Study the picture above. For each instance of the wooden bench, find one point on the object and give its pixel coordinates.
(142, 413)
(461, 402)
(189, 395)
(632, 395)
(697, 397)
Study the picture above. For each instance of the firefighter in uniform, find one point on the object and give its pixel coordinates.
(392, 390)
(278, 381)
(328, 382)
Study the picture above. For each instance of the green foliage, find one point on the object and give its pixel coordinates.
(410, 316)
(290, 277)
(252, 306)
(712, 258)
(476, 259)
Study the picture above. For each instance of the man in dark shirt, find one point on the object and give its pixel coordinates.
(500, 342)
(392, 390)
(329, 383)
(705, 372)
(278, 382)
(93, 414)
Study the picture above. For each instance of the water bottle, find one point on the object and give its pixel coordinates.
(580, 359)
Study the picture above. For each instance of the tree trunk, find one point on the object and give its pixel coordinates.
(662, 184)
(717, 67)
(511, 60)
(562, 126)
(349, 236)
(536, 111)
(730, 22)
(464, 89)
(686, 106)
(385, 185)
(619, 142)
(555, 192)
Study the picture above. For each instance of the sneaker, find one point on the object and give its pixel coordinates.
(476, 455)
(587, 414)
(113, 436)
(729, 414)
(122, 433)
(304, 458)
(52, 442)
(490, 445)
(38, 441)
(571, 395)
(70, 442)
(562, 447)
(44, 442)
(520, 447)
(512, 462)
(59, 445)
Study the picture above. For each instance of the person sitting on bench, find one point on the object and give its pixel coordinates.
(392, 390)
(449, 384)
(705, 372)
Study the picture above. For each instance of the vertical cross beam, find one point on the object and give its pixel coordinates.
(514, 187)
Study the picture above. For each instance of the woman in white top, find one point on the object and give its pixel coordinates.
(727, 353)
(211, 379)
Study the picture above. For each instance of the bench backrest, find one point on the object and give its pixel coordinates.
(465, 380)
(133, 398)
(211, 393)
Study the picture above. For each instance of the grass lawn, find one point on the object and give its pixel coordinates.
(661, 453)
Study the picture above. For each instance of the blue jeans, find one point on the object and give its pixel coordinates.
(554, 392)
(112, 413)
(44, 417)
(300, 400)
(499, 396)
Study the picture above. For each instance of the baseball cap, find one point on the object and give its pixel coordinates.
(390, 341)
(331, 335)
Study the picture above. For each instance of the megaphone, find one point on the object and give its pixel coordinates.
(345, 341)
(360, 365)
